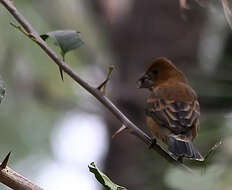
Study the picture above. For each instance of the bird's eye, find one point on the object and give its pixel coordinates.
(154, 72)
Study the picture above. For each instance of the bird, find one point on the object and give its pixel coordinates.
(172, 109)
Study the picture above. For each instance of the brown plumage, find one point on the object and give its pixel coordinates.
(172, 109)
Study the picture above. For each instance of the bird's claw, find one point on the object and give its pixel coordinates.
(153, 143)
(180, 159)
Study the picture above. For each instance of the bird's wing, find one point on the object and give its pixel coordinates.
(178, 116)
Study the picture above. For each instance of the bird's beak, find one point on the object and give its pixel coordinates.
(139, 84)
(140, 81)
(144, 82)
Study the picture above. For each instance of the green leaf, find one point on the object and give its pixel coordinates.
(67, 40)
(212, 150)
(2, 90)
(103, 179)
(208, 156)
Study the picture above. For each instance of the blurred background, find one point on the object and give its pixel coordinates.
(55, 129)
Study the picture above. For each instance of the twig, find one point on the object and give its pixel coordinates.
(104, 83)
(14, 180)
(32, 34)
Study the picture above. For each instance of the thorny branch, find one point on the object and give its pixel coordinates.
(14, 180)
(30, 32)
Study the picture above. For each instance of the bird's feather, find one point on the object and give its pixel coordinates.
(178, 116)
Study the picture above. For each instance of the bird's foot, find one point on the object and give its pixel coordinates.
(180, 159)
(153, 143)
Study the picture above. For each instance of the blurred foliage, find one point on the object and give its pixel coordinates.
(182, 180)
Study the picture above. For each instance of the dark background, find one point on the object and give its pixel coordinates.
(129, 35)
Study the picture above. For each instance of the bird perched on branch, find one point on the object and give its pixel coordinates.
(172, 111)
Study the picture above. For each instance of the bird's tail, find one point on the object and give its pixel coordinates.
(183, 148)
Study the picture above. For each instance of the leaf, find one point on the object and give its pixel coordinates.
(208, 156)
(2, 90)
(67, 40)
(211, 151)
(103, 179)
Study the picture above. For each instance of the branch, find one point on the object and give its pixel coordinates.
(33, 35)
(14, 180)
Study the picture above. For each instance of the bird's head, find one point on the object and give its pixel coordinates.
(161, 71)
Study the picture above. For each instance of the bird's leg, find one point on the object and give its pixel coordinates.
(153, 143)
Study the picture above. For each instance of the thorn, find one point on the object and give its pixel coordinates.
(61, 74)
(102, 84)
(5, 161)
(61, 71)
(122, 128)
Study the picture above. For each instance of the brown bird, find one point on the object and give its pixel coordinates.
(172, 111)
